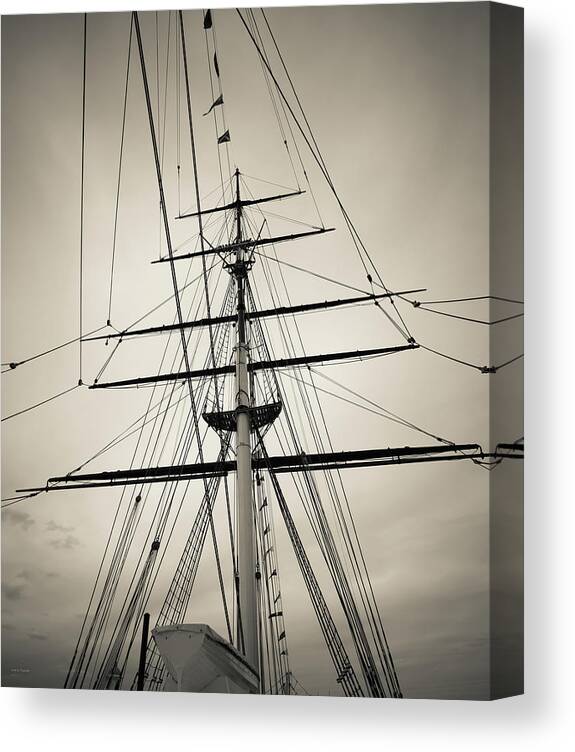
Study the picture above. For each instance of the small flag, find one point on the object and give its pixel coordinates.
(208, 19)
(219, 100)
(216, 66)
(224, 138)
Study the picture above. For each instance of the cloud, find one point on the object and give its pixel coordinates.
(54, 527)
(12, 592)
(21, 519)
(68, 542)
(37, 636)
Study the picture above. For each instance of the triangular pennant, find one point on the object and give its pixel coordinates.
(219, 100)
(224, 138)
(216, 66)
(208, 19)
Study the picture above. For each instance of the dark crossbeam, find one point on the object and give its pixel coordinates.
(359, 458)
(257, 366)
(242, 203)
(199, 323)
(266, 313)
(278, 463)
(246, 244)
(510, 447)
(128, 482)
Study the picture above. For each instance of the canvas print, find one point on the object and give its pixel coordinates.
(262, 351)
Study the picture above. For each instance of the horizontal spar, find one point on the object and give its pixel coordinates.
(510, 447)
(198, 323)
(266, 313)
(278, 463)
(257, 366)
(245, 245)
(241, 204)
(128, 482)
(342, 459)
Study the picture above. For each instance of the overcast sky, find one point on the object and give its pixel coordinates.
(398, 99)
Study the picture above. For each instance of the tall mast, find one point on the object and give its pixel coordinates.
(248, 610)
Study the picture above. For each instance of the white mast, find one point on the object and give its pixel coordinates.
(248, 607)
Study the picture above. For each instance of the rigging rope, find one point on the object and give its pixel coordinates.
(156, 515)
(476, 297)
(175, 603)
(380, 411)
(109, 587)
(316, 154)
(223, 182)
(320, 530)
(43, 402)
(313, 274)
(336, 648)
(168, 494)
(167, 502)
(166, 79)
(178, 127)
(104, 596)
(120, 170)
(14, 364)
(221, 92)
(121, 437)
(207, 296)
(481, 369)
(83, 139)
(274, 104)
(422, 306)
(10, 500)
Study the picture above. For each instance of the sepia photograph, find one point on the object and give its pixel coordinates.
(262, 351)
